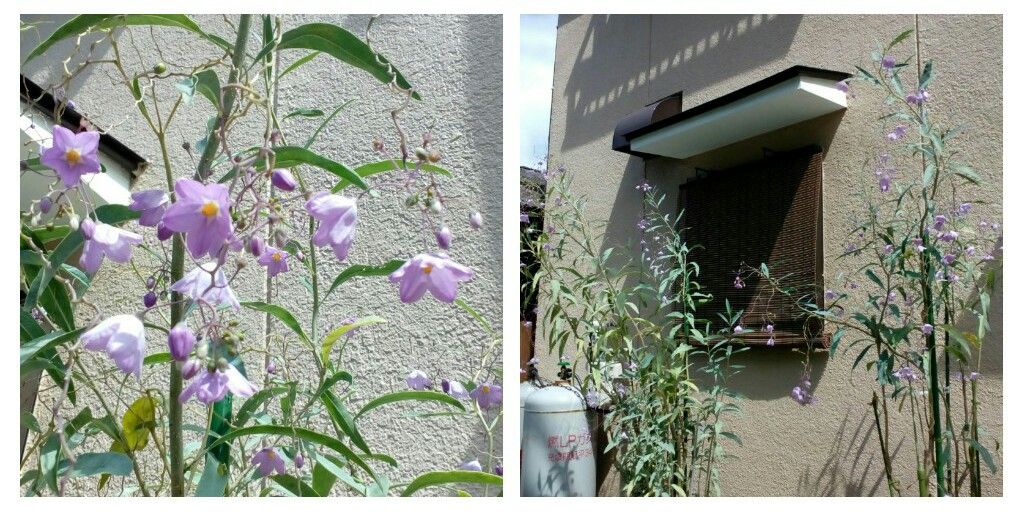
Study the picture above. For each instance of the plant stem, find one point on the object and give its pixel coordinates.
(893, 488)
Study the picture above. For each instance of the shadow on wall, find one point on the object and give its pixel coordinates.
(850, 468)
(620, 55)
(47, 70)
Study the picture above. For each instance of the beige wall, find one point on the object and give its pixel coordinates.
(609, 66)
(454, 61)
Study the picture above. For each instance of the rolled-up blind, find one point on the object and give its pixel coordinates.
(768, 212)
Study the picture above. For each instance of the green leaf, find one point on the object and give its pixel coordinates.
(108, 463)
(337, 333)
(967, 173)
(961, 344)
(874, 278)
(410, 395)
(386, 166)
(214, 479)
(343, 419)
(344, 46)
(291, 156)
(95, 22)
(49, 457)
(157, 358)
(440, 478)
(835, 341)
(298, 63)
(283, 315)
(902, 36)
(363, 270)
(31, 348)
(323, 479)
(301, 433)
(984, 454)
(137, 421)
(325, 122)
(475, 314)
(208, 85)
(294, 486)
(254, 401)
(304, 112)
(926, 75)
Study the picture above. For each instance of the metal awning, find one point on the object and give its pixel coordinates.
(794, 95)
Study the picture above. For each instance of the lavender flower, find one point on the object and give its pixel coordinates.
(108, 241)
(471, 465)
(948, 259)
(429, 272)
(299, 460)
(524, 217)
(255, 246)
(476, 220)
(940, 221)
(181, 341)
(45, 204)
(203, 213)
(888, 63)
(801, 393)
(267, 461)
(337, 216)
(499, 470)
(418, 380)
(843, 86)
(275, 260)
(454, 389)
(829, 294)
(190, 367)
(918, 98)
(72, 155)
(283, 179)
(592, 398)
(487, 395)
(737, 329)
(211, 385)
(738, 283)
(201, 284)
(905, 373)
(444, 238)
(123, 338)
(151, 204)
(897, 132)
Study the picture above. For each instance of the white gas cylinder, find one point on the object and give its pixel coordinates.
(558, 454)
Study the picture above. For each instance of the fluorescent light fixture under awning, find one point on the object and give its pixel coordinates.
(789, 97)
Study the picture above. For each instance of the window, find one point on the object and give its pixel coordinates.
(768, 212)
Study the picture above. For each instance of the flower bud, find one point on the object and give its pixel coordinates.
(434, 156)
(435, 206)
(87, 227)
(283, 179)
(73, 222)
(255, 246)
(222, 364)
(190, 368)
(181, 342)
(421, 154)
(203, 350)
(444, 238)
(412, 200)
(163, 233)
(240, 263)
(159, 68)
(378, 145)
(271, 367)
(276, 136)
(299, 461)
(45, 204)
(149, 299)
(150, 282)
(280, 237)
(476, 220)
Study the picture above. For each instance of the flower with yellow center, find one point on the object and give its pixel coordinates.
(209, 209)
(276, 257)
(73, 156)
(427, 268)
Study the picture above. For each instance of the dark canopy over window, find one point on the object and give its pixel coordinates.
(768, 212)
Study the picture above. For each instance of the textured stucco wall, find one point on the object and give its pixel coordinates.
(454, 61)
(609, 66)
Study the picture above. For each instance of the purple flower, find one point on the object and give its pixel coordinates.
(592, 398)
(897, 132)
(202, 212)
(843, 86)
(211, 386)
(444, 238)
(888, 63)
(949, 236)
(472, 465)
(299, 460)
(889, 248)
(948, 259)
(884, 182)
(283, 179)
(337, 216)
(454, 389)
(267, 461)
(271, 367)
(770, 328)
(275, 260)
(200, 284)
(802, 393)
(476, 220)
(891, 297)
(162, 232)
(905, 373)
(149, 299)
(918, 244)
(918, 98)
(426, 272)
(644, 186)
(123, 338)
(190, 368)
(487, 395)
(771, 341)
(829, 294)
(255, 246)
(737, 329)
(524, 217)
(45, 204)
(72, 155)
(418, 380)
(181, 341)
(151, 204)
(499, 470)
(108, 241)
(738, 283)
(940, 221)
